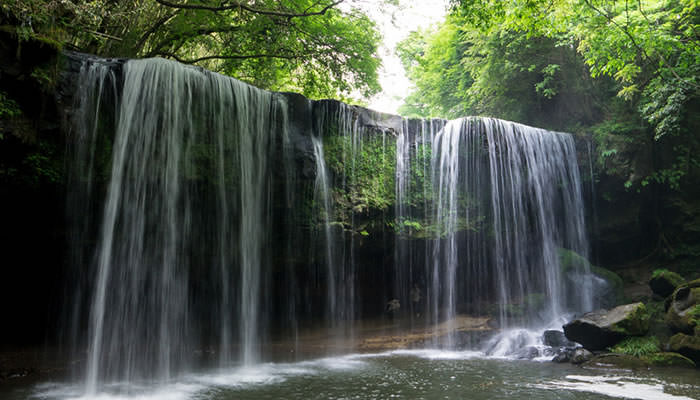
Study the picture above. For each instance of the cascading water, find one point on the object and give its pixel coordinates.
(503, 198)
(182, 139)
(223, 215)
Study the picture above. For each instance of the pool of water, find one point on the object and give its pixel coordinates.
(411, 374)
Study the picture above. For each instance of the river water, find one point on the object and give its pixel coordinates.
(400, 374)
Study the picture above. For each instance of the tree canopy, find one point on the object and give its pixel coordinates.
(309, 46)
(626, 67)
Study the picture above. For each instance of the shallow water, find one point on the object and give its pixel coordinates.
(414, 374)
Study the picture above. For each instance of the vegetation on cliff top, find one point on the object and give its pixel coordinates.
(307, 46)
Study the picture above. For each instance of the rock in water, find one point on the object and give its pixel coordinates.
(527, 353)
(686, 345)
(580, 356)
(600, 329)
(564, 355)
(554, 338)
(664, 282)
(684, 308)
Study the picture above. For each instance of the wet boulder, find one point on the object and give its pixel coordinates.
(663, 282)
(580, 356)
(686, 345)
(527, 353)
(683, 311)
(601, 329)
(554, 338)
(564, 354)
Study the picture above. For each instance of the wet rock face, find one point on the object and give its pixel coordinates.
(684, 308)
(601, 329)
(665, 282)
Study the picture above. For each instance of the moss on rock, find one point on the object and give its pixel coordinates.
(668, 359)
(683, 313)
(663, 282)
(686, 345)
(635, 323)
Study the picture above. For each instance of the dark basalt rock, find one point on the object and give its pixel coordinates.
(580, 356)
(554, 338)
(665, 282)
(601, 329)
(563, 355)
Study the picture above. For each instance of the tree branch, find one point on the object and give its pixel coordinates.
(229, 57)
(242, 6)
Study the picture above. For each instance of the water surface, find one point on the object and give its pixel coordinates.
(402, 374)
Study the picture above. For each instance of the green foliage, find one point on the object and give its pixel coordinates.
(308, 46)
(637, 346)
(364, 173)
(8, 108)
(43, 165)
(621, 67)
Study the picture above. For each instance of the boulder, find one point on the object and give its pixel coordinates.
(554, 338)
(564, 354)
(601, 329)
(668, 359)
(615, 362)
(663, 282)
(527, 353)
(683, 312)
(580, 356)
(686, 345)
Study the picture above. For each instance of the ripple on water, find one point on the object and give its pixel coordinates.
(425, 374)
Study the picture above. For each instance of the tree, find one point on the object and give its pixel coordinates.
(309, 46)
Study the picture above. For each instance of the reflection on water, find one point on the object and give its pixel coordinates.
(407, 374)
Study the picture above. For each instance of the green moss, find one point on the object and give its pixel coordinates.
(671, 276)
(668, 359)
(637, 346)
(636, 323)
(694, 315)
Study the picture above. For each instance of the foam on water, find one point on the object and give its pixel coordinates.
(614, 386)
(437, 354)
(174, 391)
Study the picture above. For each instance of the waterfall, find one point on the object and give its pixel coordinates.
(500, 200)
(175, 129)
(211, 217)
